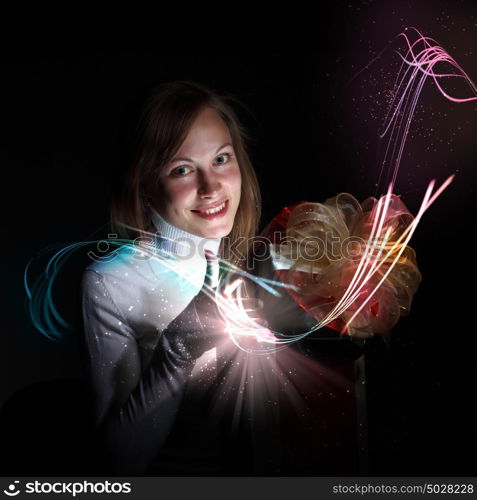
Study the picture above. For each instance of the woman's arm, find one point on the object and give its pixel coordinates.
(134, 410)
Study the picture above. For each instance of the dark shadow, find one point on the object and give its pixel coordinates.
(45, 430)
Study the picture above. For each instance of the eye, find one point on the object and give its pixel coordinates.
(228, 155)
(182, 170)
(179, 171)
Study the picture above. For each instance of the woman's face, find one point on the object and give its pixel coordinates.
(203, 175)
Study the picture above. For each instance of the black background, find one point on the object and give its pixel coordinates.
(67, 116)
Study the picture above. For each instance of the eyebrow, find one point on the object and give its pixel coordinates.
(188, 159)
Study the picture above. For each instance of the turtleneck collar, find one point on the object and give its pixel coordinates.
(180, 242)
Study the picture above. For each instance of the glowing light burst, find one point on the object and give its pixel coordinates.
(238, 316)
(241, 312)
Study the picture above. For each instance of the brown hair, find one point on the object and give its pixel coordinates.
(168, 114)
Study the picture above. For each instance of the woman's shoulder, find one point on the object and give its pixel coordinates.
(142, 290)
(130, 271)
(125, 260)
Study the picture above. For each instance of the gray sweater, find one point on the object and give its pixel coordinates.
(138, 388)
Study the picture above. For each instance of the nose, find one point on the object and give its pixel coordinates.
(209, 185)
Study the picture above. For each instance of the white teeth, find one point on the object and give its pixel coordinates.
(213, 210)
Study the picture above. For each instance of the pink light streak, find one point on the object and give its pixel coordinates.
(417, 66)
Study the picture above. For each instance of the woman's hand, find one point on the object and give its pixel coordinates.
(244, 314)
(197, 328)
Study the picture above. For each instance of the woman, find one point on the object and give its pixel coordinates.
(150, 328)
(155, 342)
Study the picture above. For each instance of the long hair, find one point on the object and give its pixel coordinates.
(169, 112)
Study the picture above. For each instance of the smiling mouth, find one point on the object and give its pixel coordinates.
(211, 213)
